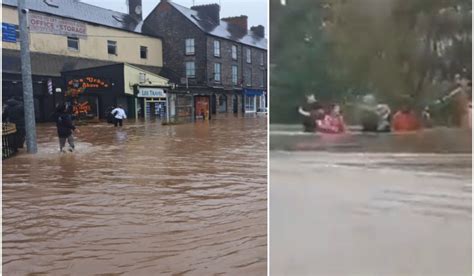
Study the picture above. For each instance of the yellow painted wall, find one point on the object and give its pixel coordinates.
(132, 76)
(94, 46)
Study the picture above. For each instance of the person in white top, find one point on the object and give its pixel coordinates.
(119, 115)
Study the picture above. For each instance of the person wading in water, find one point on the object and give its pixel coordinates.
(65, 128)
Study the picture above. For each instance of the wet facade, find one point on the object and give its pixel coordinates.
(218, 61)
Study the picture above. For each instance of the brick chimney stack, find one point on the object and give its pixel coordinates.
(135, 9)
(258, 30)
(239, 21)
(212, 11)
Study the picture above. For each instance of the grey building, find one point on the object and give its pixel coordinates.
(219, 61)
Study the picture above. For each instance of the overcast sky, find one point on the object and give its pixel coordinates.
(256, 10)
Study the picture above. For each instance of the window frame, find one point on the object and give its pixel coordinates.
(236, 80)
(262, 58)
(141, 52)
(192, 46)
(262, 79)
(71, 38)
(186, 69)
(217, 50)
(109, 44)
(248, 55)
(219, 73)
(234, 53)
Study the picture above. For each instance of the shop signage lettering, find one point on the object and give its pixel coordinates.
(151, 93)
(78, 86)
(55, 25)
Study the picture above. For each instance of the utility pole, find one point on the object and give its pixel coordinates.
(28, 101)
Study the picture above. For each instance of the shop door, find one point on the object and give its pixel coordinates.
(235, 103)
(155, 109)
(201, 106)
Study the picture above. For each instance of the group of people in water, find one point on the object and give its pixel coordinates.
(373, 117)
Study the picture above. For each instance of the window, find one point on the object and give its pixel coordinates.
(73, 43)
(217, 72)
(234, 52)
(189, 46)
(190, 69)
(143, 52)
(217, 48)
(250, 104)
(248, 77)
(262, 79)
(262, 58)
(112, 47)
(249, 55)
(234, 74)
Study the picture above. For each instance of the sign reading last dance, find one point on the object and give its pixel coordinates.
(151, 93)
(54, 25)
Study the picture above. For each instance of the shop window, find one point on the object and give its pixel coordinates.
(112, 47)
(189, 44)
(190, 69)
(143, 52)
(217, 48)
(217, 72)
(234, 52)
(223, 103)
(250, 103)
(234, 74)
(73, 43)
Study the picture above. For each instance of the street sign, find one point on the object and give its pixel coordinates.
(9, 32)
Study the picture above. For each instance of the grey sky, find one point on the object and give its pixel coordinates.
(256, 10)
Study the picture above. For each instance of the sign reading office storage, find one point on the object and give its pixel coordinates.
(54, 25)
(151, 93)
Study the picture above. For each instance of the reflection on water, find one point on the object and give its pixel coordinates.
(143, 200)
(388, 205)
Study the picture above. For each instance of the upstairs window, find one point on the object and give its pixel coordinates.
(234, 52)
(248, 77)
(217, 72)
(143, 52)
(262, 78)
(262, 58)
(112, 47)
(189, 44)
(234, 74)
(217, 48)
(73, 43)
(248, 55)
(190, 69)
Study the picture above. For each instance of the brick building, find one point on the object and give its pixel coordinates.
(219, 61)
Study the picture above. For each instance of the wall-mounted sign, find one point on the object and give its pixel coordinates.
(151, 92)
(9, 32)
(78, 86)
(54, 25)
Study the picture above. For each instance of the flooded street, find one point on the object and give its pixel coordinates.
(144, 200)
(346, 206)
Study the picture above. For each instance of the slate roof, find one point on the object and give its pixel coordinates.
(75, 9)
(223, 29)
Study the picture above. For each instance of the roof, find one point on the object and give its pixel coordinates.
(56, 63)
(223, 29)
(75, 9)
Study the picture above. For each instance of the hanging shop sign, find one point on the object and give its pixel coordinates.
(54, 25)
(144, 92)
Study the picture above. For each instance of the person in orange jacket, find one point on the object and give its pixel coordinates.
(405, 120)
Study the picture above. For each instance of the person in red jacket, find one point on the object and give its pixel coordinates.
(405, 120)
(332, 122)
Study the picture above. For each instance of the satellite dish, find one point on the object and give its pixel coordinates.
(138, 9)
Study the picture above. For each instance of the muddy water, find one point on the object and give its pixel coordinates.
(144, 200)
(363, 210)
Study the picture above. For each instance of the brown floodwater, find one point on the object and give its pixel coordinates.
(146, 199)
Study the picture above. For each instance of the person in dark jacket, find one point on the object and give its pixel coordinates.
(65, 128)
(15, 113)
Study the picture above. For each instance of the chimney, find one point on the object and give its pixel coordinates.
(212, 11)
(239, 21)
(135, 9)
(258, 30)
